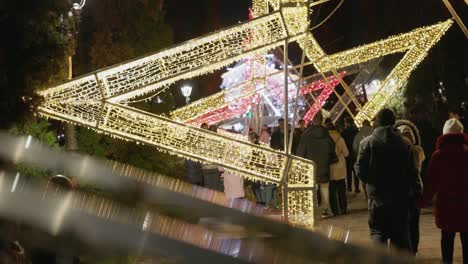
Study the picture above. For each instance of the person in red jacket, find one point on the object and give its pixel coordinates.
(447, 180)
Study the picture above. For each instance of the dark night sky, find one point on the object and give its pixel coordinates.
(191, 19)
(357, 22)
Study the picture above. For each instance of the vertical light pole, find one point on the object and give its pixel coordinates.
(186, 92)
(70, 130)
(77, 6)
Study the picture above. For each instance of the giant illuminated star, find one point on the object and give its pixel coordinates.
(96, 100)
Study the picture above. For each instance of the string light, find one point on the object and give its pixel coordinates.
(322, 98)
(416, 43)
(186, 141)
(193, 58)
(93, 100)
(213, 113)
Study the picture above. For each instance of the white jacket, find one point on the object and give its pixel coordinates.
(338, 170)
(233, 185)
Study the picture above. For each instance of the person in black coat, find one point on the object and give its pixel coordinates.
(348, 135)
(211, 173)
(317, 145)
(194, 172)
(387, 165)
(193, 169)
(276, 143)
(277, 137)
(300, 129)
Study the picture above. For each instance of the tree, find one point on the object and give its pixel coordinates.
(115, 31)
(33, 56)
(112, 32)
(33, 51)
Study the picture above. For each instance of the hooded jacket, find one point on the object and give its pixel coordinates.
(317, 145)
(387, 165)
(411, 136)
(363, 133)
(447, 179)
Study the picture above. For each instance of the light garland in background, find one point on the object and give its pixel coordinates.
(194, 58)
(422, 41)
(322, 98)
(415, 43)
(129, 123)
(216, 113)
(93, 100)
(223, 113)
(254, 84)
(242, 158)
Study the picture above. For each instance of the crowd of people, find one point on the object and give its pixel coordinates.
(385, 160)
(214, 177)
(217, 178)
(388, 159)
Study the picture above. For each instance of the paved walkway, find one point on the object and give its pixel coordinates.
(356, 222)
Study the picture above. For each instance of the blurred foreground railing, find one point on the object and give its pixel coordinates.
(135, 221)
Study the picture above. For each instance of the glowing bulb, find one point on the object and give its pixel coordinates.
(186, 90)
(375, 83)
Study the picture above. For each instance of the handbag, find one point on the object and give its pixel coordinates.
(332, 157)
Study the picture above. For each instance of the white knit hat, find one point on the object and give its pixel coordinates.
(453, 126)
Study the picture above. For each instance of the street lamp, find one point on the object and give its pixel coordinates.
(186, 91)
(77, 6)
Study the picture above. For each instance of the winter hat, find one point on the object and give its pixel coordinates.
(407, 132)
(453, 126)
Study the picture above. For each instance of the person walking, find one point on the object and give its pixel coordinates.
(265, 135)
(233, 185)
(258, 188)
(410, 134)
(211, 173)
(338, 201)
(386, 164)
(298, 131)
(276, 143)
(301, 126)
(193, 172)
(277, 137)
(349, 133)
(317, 145)
(193, 169)
(364, 131)
(447, 181)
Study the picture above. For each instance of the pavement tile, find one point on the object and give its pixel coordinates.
(356, 223)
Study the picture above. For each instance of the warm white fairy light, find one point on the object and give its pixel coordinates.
(93, 100)
(186, 141)
(415, 43)
(193, 58)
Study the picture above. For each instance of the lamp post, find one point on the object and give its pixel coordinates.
(186, 91)
(70, 131)
(77, 6)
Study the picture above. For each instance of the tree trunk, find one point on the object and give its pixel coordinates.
(70, 137)
(70, 130)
